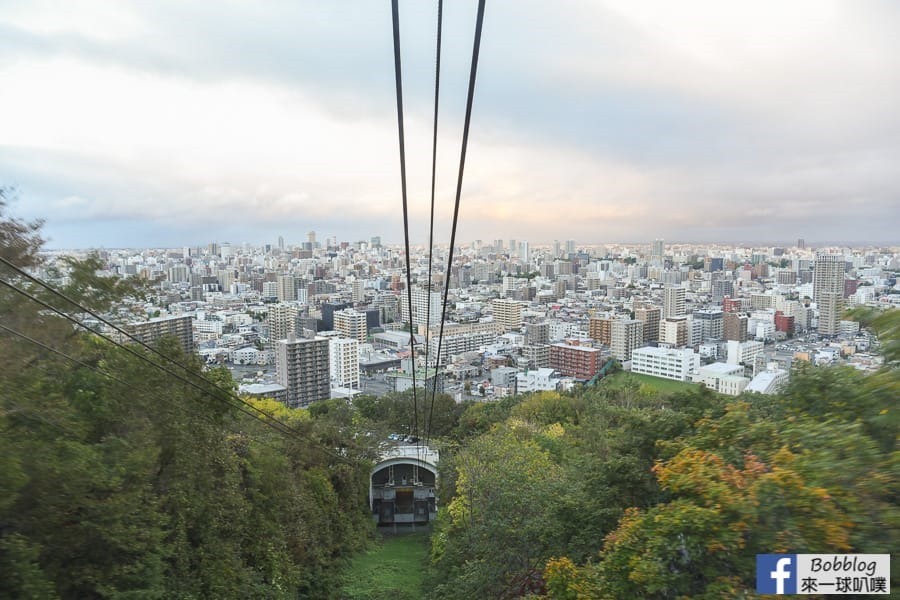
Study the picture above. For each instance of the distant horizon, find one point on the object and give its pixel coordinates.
(809, 244)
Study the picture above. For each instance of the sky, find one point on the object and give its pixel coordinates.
(168, 123)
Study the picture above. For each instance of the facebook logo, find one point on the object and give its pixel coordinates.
(776, 573)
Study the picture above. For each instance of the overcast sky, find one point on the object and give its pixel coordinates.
(177, 122)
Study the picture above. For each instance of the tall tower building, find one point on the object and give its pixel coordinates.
(179, 327)
(351, 324)
(302, 366)
(282, 321)
(287, 288)
(524, 252)
(537, 333)
(358, 290)
(650, 316)
(658, 251)
(508, 313)
(710, 322)
(674, 331)
(828, 291)
(734, 326)
(673, 302)
(344, 362)
(570, 247)
(627, 334)
(421, 298)
(600, 329)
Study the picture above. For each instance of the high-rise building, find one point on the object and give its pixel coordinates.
(421, 298)
(570, 247)
(282, 321)
(179, 327)
(179, 274)
(508, 313)
(537, 333)
(537, 356)
(734, 326)
(674, 332)
(658, 251)
(732, 305)
(722, 288)
(344, 362)
(302, 366)
(580, 362)
(524, 252)
(351, 323)
(600, 329)
(784, 323)
(711, 323)
(287, 288)
(673, 302)
(328, 310)
(650, 316)
(358, 290)
(627, 334)
(557, 249)
(270, 289)
(828, 291)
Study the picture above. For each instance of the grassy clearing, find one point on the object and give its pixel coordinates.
(393, 569)
(665, 386)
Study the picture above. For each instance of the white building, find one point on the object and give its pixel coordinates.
(214, 327)
(538, 380)
(344, 362)
(426, 307)
(667, 363)
(744, 352)
(673, 302)
(723, 378)
(769, 381)
(249, 356)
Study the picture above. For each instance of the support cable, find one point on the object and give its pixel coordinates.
(128, 335)
(270, 421)
(106, 374)
(395, 15)
(479, 21)
(437, 90)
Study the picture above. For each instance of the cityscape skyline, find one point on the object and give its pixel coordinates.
(128, 124)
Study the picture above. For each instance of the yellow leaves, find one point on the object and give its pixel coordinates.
(564, 582)
(555, 431)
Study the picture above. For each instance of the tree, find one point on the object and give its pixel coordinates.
(494, 537)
